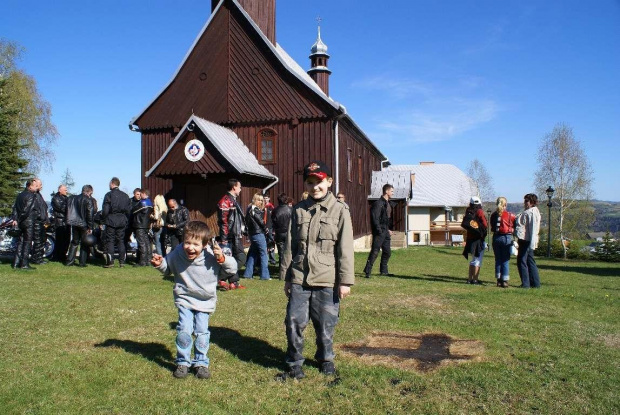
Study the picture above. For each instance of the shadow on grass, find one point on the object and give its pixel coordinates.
(424, 277)
(248, 349)
(599, 272)
(154, 352)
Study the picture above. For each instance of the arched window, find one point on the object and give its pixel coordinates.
(267, 146)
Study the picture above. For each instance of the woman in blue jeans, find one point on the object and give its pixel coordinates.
(502, 226)
(528, 226)
(255, 225)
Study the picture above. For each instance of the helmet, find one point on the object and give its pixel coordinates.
(89, 240)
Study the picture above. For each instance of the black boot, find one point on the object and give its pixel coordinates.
(71, 255)
(17, 261)
(25, 258)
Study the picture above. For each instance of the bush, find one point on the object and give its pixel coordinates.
(608, 250)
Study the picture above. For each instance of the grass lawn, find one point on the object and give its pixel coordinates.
(93, 340)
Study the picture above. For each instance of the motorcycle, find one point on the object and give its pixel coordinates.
(9, 236)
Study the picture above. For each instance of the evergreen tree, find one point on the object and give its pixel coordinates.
(11, 164)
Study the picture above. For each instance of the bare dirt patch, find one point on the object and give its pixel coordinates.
(611, 340)
(421, 352)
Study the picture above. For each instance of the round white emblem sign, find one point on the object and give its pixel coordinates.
(194, 150)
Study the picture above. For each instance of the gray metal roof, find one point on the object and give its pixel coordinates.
(227, 143)
(401, 180)
(438, 185)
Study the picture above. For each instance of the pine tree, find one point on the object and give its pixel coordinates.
(11, 164)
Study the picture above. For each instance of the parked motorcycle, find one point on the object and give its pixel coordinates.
(9, 235)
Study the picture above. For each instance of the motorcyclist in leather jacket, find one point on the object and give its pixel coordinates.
(176, 219)
(141, 226)
(116, 209)
(80, 215)
(40, 223)
(59, 209)
(25, 212)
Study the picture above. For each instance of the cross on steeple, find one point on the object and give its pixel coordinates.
(319, 20)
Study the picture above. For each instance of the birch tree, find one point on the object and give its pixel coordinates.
(31, 113)
(563, 165)
(481, 181)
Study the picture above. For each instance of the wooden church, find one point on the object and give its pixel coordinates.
(240, 107)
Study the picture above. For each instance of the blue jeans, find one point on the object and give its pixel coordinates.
(322, 305)
(528, 271)
(257, 254)
(501, 250)
(196, 322)
(158, 244)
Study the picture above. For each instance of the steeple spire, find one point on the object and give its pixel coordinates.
(318, 60)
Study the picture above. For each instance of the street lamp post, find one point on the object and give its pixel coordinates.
(550, 191)
(488, 220)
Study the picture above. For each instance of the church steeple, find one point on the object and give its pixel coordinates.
(319, 71)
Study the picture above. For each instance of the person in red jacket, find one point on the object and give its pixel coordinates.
(502, 226)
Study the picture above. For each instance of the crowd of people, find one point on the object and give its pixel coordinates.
(314, 240)
(510, 233)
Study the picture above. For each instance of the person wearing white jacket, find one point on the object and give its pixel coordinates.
(528, 226)
(195, 266)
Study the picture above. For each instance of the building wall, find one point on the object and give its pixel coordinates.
(419, 223)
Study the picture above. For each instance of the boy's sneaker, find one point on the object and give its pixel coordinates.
(202, 372)
(181, 372)
(328, 368)
(296, 372)
(223, 285)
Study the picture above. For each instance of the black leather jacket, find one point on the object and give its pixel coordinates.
(142, 214)
(25, 209)
(42, 205)
(59, 207)
(281, 218)
(116, 208)
(80, 211)
(230, 218)
(178, 217)
(254, 222)
(379, 220)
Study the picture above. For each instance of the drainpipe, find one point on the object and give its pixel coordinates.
(387, 160)
(270, 186)
(337, 147)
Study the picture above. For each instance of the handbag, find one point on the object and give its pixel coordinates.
(514, 248)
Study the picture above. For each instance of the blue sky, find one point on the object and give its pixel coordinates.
(443, 81)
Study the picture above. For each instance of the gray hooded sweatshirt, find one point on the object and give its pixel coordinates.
(195, 282)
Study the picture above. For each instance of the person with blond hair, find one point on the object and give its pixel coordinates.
(255, 225)
(502, 225)
(160, 210)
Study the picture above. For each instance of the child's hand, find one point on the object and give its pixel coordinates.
(287, 288)
(157, 260)
(217, 252)
(344, 291)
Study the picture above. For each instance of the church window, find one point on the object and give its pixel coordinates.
(267, 146)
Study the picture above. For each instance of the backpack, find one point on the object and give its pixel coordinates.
(472, 224)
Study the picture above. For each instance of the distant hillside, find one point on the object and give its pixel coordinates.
(607, 215)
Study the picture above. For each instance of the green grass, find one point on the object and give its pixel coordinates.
(93, 340)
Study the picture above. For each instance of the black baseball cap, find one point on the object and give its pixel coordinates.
(317, 168)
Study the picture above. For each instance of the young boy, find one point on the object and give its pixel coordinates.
(195, 266)
(317, 266)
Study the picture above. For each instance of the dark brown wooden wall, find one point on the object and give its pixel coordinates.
(200, 87)
(357, 194)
